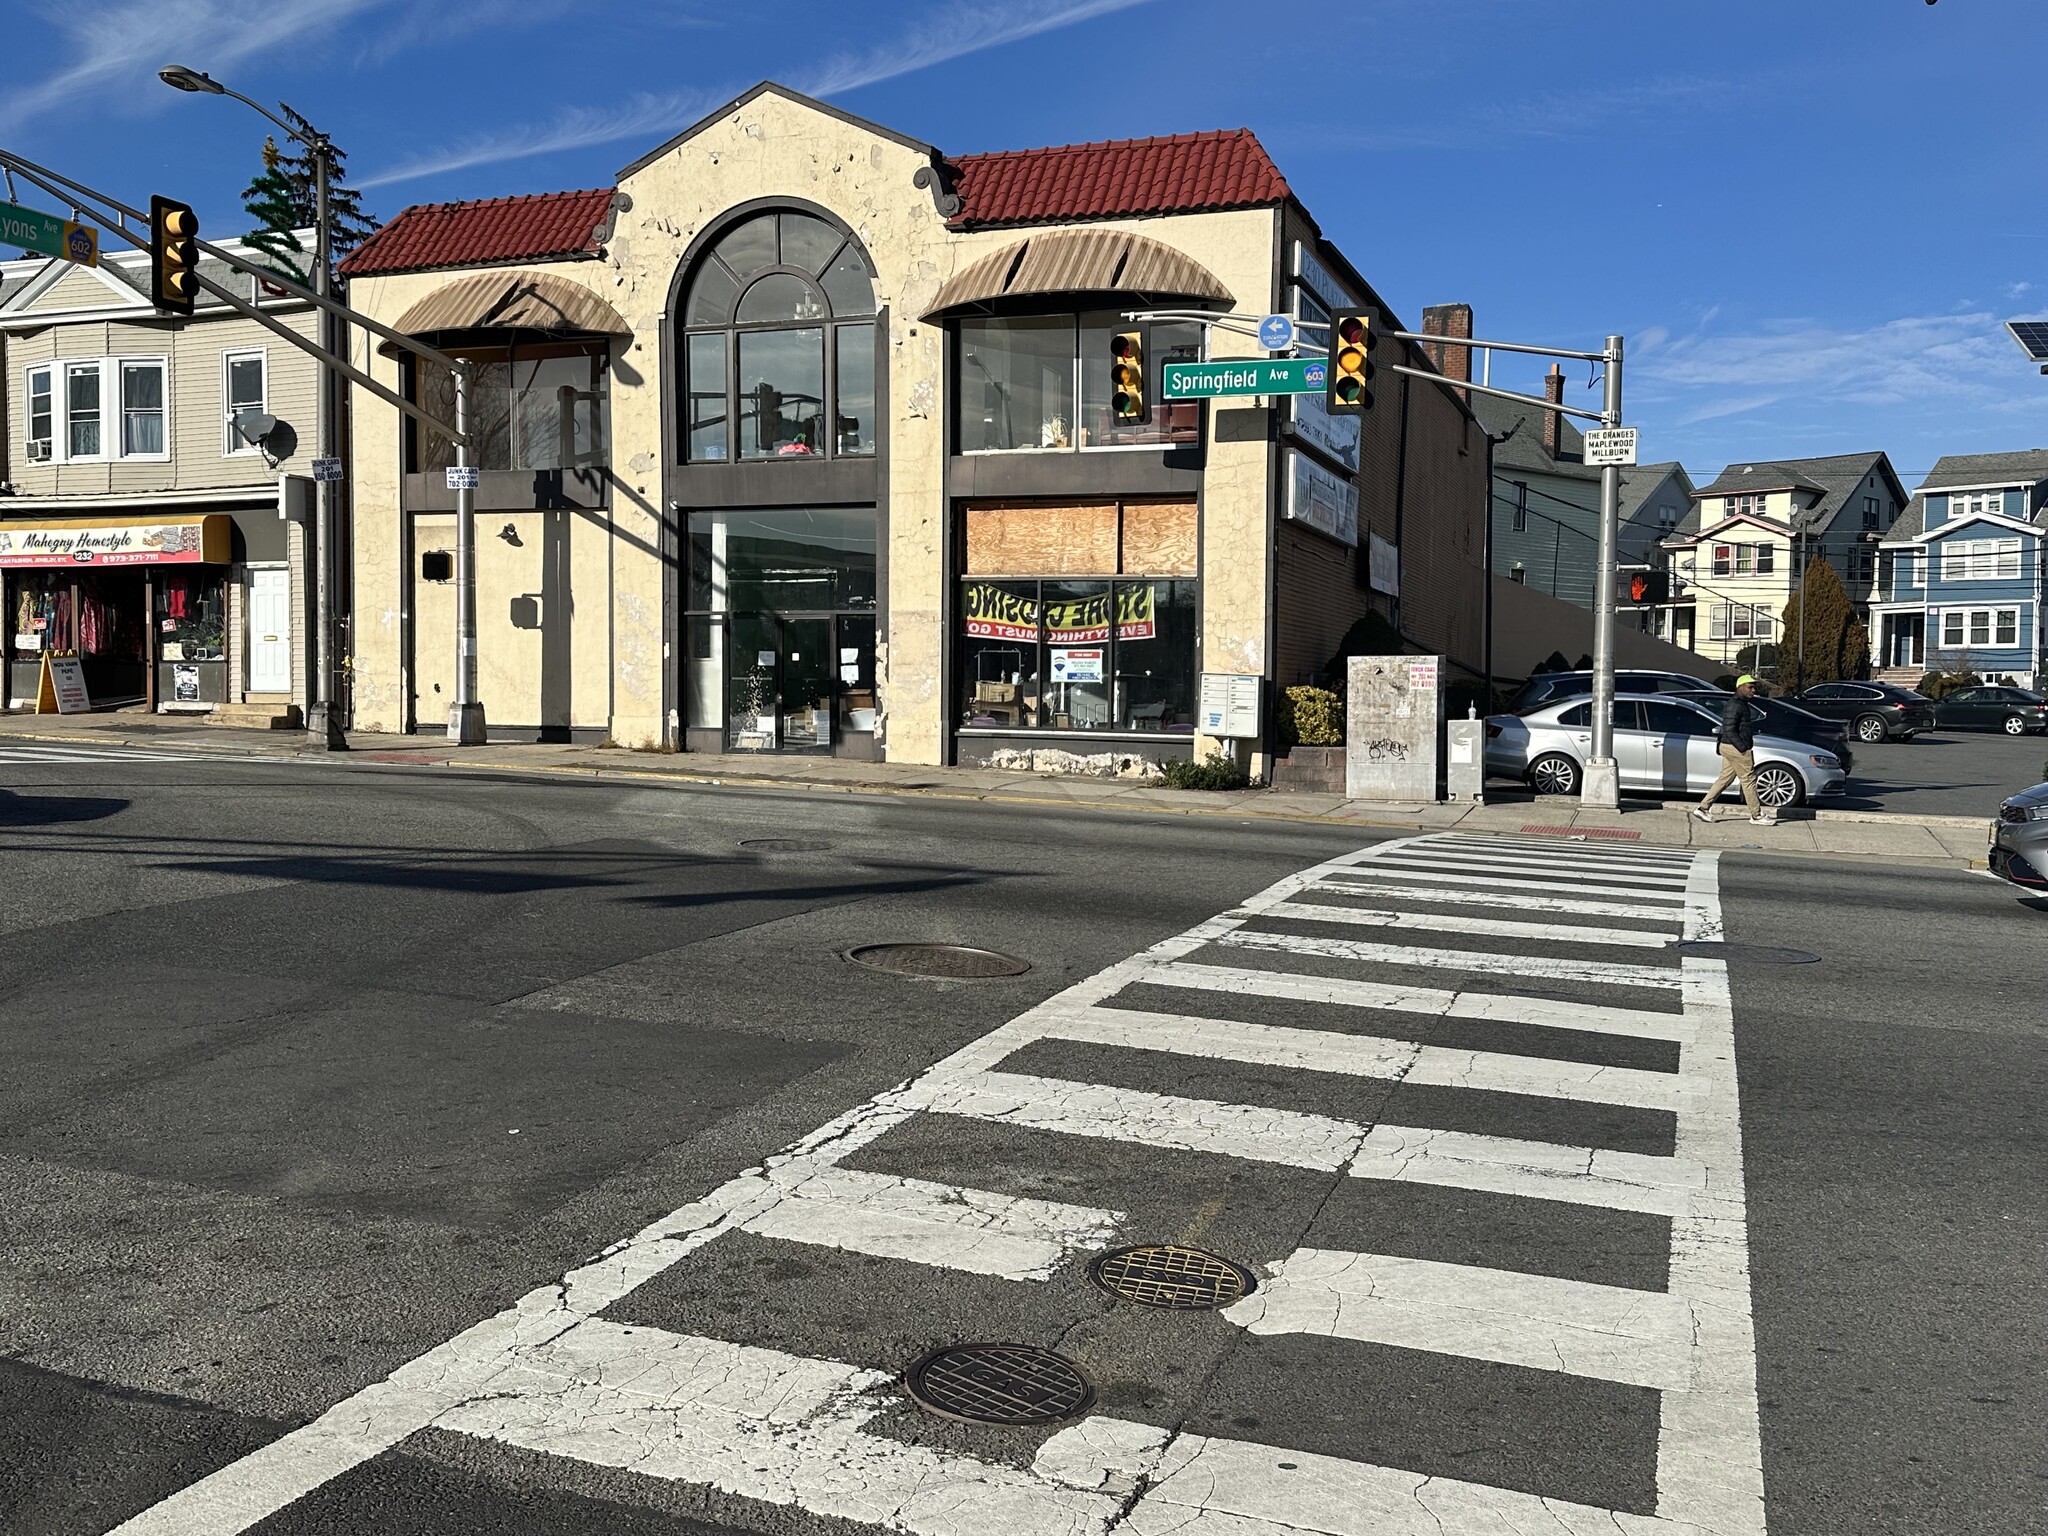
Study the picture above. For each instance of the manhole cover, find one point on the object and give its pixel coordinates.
(999, 1384)
(953, 962)
(1754, 954)
(784, 844)
(1168, 1275)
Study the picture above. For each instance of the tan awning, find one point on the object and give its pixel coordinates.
(523, 301)
(1081, 261)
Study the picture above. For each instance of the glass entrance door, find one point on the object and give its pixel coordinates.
(780, 684)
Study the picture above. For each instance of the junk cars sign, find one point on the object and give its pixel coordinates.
(989, 611)
(195, 541)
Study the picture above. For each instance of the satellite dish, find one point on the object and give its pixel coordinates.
(254, 427)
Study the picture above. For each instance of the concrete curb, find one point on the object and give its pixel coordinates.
(1393, 820)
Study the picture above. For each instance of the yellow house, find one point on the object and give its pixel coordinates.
(801, 438)
(1742, 549)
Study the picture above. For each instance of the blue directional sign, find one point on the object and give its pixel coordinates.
(1276, 333)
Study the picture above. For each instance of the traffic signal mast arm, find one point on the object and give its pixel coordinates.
(82, 196)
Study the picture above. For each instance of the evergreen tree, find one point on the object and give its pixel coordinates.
(283, 199)
(1823, 639)
(272, 201)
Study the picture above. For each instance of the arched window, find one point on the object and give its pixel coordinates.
(771, 366)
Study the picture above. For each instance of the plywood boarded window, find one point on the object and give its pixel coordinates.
(1081, 539)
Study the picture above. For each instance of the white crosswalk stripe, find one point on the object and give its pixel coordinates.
(89, 754)
(791, 1431)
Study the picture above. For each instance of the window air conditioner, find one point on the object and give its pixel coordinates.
(38, 450)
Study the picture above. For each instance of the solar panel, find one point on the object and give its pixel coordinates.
(2032, 335)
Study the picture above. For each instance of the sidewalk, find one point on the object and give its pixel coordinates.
(1892, 837)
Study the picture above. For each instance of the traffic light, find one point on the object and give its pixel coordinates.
(1648, 588)
(1127, 376)
(1349, 392)
(173, 255)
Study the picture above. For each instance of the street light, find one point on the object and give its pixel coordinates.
(323, 715)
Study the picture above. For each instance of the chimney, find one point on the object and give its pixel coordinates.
(1553, 424)
(1451, 362)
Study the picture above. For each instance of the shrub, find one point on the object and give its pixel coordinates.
(1929, 684)
(1214, 772)
(1311, 717)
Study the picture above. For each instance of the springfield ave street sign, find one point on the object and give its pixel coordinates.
(1241, 377)
(48, 235)
(1610, 445)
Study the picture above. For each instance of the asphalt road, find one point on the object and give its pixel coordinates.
(1944, 773)
(311, 1068)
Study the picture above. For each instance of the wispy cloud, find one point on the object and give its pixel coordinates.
(121, 45)
(1931, 361)
(951, 33)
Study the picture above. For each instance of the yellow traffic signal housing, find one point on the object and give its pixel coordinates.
(173, 255)
(1127, 376)
(1349, 392)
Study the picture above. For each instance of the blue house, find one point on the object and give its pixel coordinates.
(1960, 572)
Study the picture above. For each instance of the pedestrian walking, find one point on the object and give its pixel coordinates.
(1737, 737)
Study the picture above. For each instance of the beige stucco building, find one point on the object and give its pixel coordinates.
(802, 437)
(153, 491)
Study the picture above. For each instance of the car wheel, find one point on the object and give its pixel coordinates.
(1870, 728)
(2015, 726)
(1778, 786)
(1555, 774)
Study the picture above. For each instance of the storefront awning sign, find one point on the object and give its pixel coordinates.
(201, 540)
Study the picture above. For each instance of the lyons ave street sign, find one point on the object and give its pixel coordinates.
(1243, 376)
(49, 235)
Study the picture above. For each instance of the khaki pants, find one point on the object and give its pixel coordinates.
(1735, 766)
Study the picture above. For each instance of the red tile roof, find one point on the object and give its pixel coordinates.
(497, 229)
(1182, 173)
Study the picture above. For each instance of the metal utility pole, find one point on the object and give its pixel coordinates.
(323, 655)
(466, 714)
(1603, 779)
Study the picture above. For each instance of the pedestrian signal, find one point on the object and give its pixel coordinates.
(1352, 342)
(1649, 588)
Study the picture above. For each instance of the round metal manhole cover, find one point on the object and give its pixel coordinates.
(949, 962)
(783, 845)
(1753, 954)
(999, 1384)
(1168, 1275)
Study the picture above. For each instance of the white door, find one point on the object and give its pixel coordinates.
(270, 631)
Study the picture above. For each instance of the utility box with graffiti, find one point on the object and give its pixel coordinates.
(1393, 712)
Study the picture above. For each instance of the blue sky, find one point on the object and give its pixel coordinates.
(1807, 216)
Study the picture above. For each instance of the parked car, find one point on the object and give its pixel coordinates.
(2015, 711)
(1774, 717)
(1662, 745)
(2019, 839)
(1874, 711)
(1549, 687)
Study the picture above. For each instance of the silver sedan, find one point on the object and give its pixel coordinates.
(1662, 746)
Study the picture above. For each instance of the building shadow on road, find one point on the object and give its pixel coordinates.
(52, 810)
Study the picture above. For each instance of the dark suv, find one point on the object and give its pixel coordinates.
(2014, 711)
(1548, 687)
(1874, 711)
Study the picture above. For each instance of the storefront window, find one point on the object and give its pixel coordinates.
(782, 560)
(1016, 383)
(545, 406)
(1018, 379)
(191, 617)
(1078, 655)
(765, 291)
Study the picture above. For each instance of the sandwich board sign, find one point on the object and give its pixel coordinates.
(62, 690)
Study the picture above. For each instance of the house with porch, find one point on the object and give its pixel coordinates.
(1960, 571)
(1746, 543)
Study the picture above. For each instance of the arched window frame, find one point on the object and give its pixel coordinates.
(713, 426)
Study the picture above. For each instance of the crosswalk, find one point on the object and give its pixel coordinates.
(15, 752)
(1512, 987)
